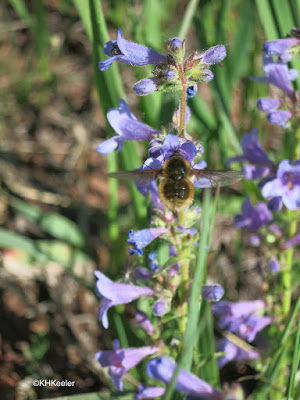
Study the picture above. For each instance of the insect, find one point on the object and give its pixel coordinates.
(177, 180)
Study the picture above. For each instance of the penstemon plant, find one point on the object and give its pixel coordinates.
(167, 310)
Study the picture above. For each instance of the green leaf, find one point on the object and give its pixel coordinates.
(271, 373)
(98, 396)
(238, 54)
(12, 240)
(56, 225)
(22, 11)
(60, 252)
(267, 19)
(295, 364)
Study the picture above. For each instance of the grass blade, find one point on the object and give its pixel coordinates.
(267, 19)
(190, 335)
(187, 19)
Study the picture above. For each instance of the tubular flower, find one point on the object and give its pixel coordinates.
(286, 185)
(120, 361)
(163, 369)
(139, 239)
(233, 353)
(127, 126)
(149, 392)
(254, 153)
(212, 292)
(278, 74)
(112, 294)
(143, 320)
(240, 318)
(253, 218)
(285, 48)
(129, 53)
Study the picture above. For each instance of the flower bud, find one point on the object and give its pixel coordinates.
(175, 44)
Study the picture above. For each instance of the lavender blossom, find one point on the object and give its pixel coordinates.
(286, 185)
(274, 265)
(254, 153)
(112, 294)
(143, 320)
(120, 361)
(213, 55)
(294, 241)
(240, 318)
(163, 369)
(233, 353)
(129, 53)
(149, 392)
(139, 239)
(127, 126)
(283, 48)
(212, 292)
(159, 308)
(278, 74)
(146, 86)
(253, 218)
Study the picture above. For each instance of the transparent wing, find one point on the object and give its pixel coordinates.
(140, 177)
(207, 178)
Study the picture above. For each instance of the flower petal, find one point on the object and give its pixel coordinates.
(146, 86)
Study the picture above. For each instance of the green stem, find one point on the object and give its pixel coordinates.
(293, 217)
(182, 102)
(287, 274)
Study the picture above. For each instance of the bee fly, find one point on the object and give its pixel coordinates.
(177, 180)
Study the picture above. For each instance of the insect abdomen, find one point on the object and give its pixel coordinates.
(176, 194)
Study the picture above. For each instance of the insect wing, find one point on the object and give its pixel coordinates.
(140, 177)
(207, 178)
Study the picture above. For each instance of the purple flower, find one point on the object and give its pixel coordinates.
(267, 104)
(252, 150)
(146, 86)
(191, 91)
(139, 239)
(120, 361)
(163, 369)
(143, 274)
(129, 53)
(294, 241)
(278, 74)
(228, 309)
(275, 204)
(254, 240)
(233, 353)
(149, 392)
(286, 185)
(176, 115)
(274, 265)
(127, 126)
(275, 116)
(280, 117)
(253, 218)
(212, 292)
(254, 153)
(241, 319)
(112, 294)
(283, 48)
(175, 44)
(213, 55)
(159, 308)
(143, 320)
(170, 74)
(153, 261)
(172, 144)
